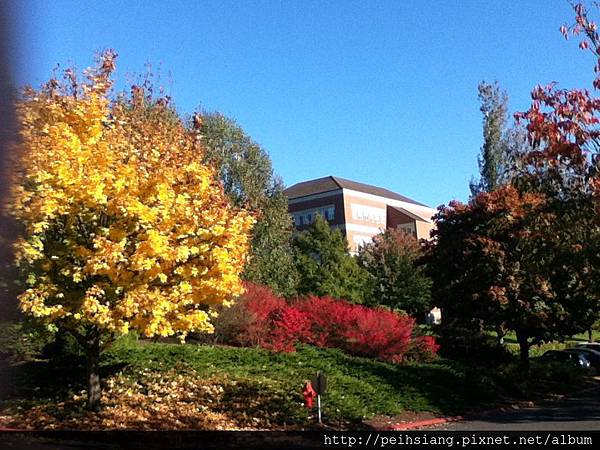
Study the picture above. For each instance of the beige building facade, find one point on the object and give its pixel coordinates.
(360, 211)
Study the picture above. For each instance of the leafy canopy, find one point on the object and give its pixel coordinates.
(395, 278)
(525, 256)
(123, 228)
(246, 172)
(489, 262)
(325, 265)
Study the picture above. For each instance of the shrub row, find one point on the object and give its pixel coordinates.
(260, 318)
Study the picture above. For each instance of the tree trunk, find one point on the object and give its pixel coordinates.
(523, 349)
(590, 335)
(500, 333)
(93, 373)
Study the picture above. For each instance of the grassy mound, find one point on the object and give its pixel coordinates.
(173, 386)
(254, 384)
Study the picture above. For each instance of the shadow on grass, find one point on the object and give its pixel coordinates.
(47, 379)
(245, 400)
(268, 386)
(357, 386)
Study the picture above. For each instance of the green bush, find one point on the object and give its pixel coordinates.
(22, 341)
(464, 343)
(555, 372)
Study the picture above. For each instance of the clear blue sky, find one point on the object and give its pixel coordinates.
(383, 92)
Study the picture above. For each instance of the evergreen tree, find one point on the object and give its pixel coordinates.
(494, 107)
(396, 280)
(272, 262)
(325, 265)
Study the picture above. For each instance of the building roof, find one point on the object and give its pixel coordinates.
(332, 183)
(410, 214)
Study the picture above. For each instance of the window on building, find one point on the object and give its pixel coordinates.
(329, 213)
(308, 216)
(408, 228)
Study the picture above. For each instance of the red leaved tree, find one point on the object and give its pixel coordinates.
(563, 126)
(525, 256)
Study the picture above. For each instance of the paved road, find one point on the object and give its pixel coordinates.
(580, 412)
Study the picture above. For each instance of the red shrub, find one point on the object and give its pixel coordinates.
(327, 318)
(356, 329)
(287, 326)
(427, 344)
(430, 344)
(325, 322)
(383, 334)
(259, 303)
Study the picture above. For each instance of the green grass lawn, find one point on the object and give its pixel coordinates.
(358, 387)
(258, 383)
(537, 350)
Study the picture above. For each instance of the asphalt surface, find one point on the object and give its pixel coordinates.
(577, 412)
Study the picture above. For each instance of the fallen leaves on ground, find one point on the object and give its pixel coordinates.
(157, 401)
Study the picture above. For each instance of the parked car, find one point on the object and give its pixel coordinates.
(573, 357)
(593, 356)
(592, 345)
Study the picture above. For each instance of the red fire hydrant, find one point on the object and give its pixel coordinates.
(309, 394)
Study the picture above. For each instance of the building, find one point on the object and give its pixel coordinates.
(359, 210)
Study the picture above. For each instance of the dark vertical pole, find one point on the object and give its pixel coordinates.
(8, 304)
(93, 372)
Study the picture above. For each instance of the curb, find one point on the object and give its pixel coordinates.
(424, 423)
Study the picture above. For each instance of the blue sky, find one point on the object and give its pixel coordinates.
(382, 92)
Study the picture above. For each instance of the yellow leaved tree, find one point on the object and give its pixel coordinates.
(123, 229)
